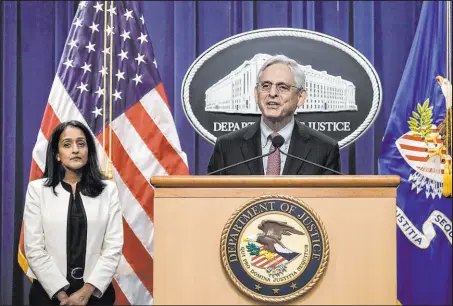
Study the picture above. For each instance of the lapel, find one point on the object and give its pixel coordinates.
(251, 147)
(92, 206)
(59, 209)
(299, 146)
(60, 203)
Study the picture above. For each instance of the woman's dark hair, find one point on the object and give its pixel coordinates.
(91, 183)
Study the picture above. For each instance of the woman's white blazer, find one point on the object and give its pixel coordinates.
(45, 225)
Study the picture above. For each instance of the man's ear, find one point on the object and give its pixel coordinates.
(302, 97)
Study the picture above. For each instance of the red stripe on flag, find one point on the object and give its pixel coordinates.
(417, 138)
(412, 148)
(416, 158)
(138, 257)
(49, 121)
(155, 140)
(419, 149)
(130, 174)
(277, 262)
(120, 298)
(35, 171)
(161, 91)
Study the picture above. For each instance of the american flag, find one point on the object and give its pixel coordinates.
(261, 261)
(141, 137)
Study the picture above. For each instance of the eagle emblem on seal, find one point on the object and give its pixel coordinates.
(271, 253)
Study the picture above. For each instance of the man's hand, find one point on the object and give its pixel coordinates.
(81, 296)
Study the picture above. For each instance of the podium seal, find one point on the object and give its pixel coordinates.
(274, 248)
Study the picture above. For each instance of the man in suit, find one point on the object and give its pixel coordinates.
(279, 91)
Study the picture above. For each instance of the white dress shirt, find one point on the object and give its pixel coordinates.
(266, 142)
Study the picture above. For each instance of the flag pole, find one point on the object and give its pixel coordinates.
(110, 172)
(105, 86)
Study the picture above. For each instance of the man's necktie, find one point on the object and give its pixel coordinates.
(273, 161)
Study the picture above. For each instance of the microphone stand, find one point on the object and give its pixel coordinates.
(243, 162)
(307, 161)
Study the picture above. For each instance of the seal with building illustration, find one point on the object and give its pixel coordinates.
(344, 92)
(274, 248)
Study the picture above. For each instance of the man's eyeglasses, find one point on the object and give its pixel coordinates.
(281, 87)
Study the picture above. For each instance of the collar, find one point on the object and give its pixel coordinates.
(285, 132)
(68, 187)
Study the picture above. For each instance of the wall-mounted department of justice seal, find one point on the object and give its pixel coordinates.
(274, 248)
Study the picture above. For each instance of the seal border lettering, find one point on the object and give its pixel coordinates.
(276, 299)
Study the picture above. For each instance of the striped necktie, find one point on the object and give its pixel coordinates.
(273, 161)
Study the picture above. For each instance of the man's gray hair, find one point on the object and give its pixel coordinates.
(296, 69)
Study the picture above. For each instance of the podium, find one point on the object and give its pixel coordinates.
(358, 213)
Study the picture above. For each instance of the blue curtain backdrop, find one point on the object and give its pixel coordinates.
(33, 35)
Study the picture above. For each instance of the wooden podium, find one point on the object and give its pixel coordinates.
(358, 212)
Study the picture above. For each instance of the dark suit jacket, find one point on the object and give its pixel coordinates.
(245, 143)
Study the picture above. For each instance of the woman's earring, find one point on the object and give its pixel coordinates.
(58, 158)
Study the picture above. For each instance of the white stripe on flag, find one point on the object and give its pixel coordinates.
(414, 153)
(257, 259)
(39, 151)
(416, 163)
(275, 261)
(418, 144)
(131, 286)
(138, 151)
(135, 216)
(158, 110)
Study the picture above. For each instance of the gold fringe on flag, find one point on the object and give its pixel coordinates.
(447, 178)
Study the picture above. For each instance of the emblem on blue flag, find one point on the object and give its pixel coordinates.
(427, 147)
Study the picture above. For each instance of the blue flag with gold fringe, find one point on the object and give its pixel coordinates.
(417, 146)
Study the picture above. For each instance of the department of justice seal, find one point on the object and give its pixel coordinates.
(274, 248)
(344, 92)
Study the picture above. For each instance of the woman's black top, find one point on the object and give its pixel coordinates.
(76, 239)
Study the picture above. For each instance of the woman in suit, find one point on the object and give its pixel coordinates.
(73, 230)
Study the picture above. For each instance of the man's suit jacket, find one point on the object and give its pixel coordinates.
(45, 223)
(245, 143)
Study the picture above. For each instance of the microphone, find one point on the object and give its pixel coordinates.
(278, 141)
(244, 161)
